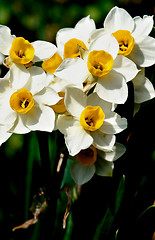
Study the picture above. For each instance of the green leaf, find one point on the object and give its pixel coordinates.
(119, 194)
(104, 228)
(146, 213)
(32, 156)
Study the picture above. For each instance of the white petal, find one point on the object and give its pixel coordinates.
(143, 54)
(5, 39)
(76, 139)
(118, 19)
(104, 168)
(106, 42)
(85, 27)
(4, 135)
(143, 88)
(73, 71)
(55, 83)
(143, 27)
(75, 101)
(117, 151)
(43, 50)
(113, 124)
(19, 76)
(81, 174)
(37, 81)
(97, 33)
(19, 126)
(7, 116)
(112, 88)
(47, 97)
(94, 100)
(40, 118)
(5, 89)
(126, 67)
(102, 141)
(64, 122)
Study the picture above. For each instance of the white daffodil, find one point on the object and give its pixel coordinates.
(69, 39)
(89, 121)
(91, 160)
(143, 88)
(28, 108)
(132, 35)
(22, 53)
(101, 66)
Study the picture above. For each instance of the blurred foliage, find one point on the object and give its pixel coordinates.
(37, 19)
(95, 203)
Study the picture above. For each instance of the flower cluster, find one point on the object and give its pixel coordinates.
(77, 86)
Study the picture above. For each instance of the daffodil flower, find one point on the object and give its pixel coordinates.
(68, 39)
(28, 108)
(132, 35)
(103, 67)
(92, 161)
(22, 53)
(89, 121)
(21, 50)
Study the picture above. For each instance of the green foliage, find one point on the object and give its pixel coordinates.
(104, 228)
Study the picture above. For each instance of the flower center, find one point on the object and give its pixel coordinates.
(99, 63)
(21, 101)
(59, 107)
(125, 41)
(52, 64)
(92, 118)
(21, 51)
(87, 156)
(71, 49)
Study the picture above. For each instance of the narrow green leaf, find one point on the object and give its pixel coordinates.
(104, 228)
(146, 212)
(33, 154)
(119, 194)
(69, 228)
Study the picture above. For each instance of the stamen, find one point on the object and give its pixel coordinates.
(20, 53)
(89, 121)
(24, 103)
(98, 66)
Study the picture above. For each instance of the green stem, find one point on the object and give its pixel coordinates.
(51, 182)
